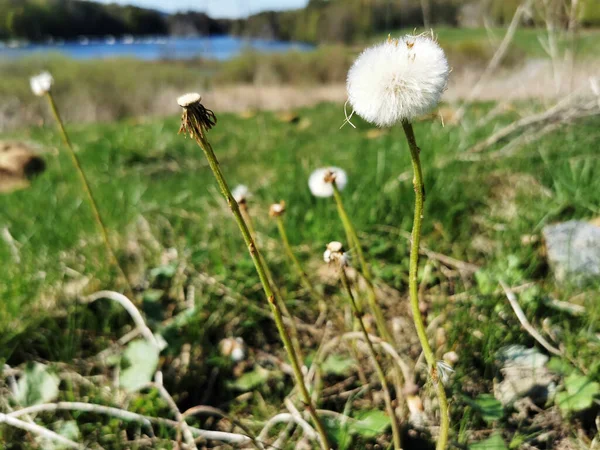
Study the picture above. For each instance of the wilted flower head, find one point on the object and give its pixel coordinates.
(320, 181)
(195, 119)
(277, 209)
(398, 79)
(41, 83)
(335, 253)
(241, 193)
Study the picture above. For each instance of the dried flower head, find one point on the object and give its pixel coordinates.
(41, 83)
(335, 254)
(320, 181)
(398, 79)
(241, 193)
(277, 209)
(195, 119)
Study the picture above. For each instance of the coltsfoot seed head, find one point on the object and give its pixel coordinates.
(335, 253)
(189, 99)
(321, 180)
(398, 80)
(241, 193)
(41, 83)
(277, 209)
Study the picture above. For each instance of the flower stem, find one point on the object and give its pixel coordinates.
(413, 283)
(276, 292)
(380, 374)
(288, 249)
(262, 274)
(88, 191)
(354, 243)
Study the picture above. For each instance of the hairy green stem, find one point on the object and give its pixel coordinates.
(380, 374)
(354, 243)
(88, 191)
(262, 274)
(414, 284)
(276, 292)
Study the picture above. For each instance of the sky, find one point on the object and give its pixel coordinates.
(215, 8)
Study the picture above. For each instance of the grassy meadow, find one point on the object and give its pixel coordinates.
(196, 285)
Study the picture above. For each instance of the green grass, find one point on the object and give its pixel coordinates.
(526, 41)
(476, 212)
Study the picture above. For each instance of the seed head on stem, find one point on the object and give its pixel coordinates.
(42, 83)
(321, 181)
(335, 254)
(196, 120)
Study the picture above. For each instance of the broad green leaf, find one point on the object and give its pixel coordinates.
(489, 408)
(251, 380)
(578, 394)
(37, 385)
(337, 365)
(138, 365)
(494, 442)
(559, 365)
(369, 424)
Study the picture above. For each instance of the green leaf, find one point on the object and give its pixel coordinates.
(337, 365)
(559, 365)
(578, 394)
(37, 385)
(490, 409)
(251, 380)
(153, 295)
(494, 442)
(166, 271)
(369, 424)
(138, 365)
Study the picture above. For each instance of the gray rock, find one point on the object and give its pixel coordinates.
(574, 251)
(524, 374)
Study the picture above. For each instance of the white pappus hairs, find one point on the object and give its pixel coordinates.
(397, 80)
(320, 181)
(41, 83)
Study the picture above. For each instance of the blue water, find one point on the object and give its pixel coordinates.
(214, 47)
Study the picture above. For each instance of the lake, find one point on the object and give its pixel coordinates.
(213, 47)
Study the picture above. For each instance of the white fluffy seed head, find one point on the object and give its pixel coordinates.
(41, 83)
(320, 181)
(335, 253)
(241, 193)
(188, 99)
(398, 80)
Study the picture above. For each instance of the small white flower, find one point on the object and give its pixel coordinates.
(41, 83)
(240, 193)
(398, 79)
(444, 370)
(188, 99)
(320, 181)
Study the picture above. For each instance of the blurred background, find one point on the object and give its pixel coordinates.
(512, 216)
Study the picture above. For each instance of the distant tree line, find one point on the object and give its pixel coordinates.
(320, 21)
